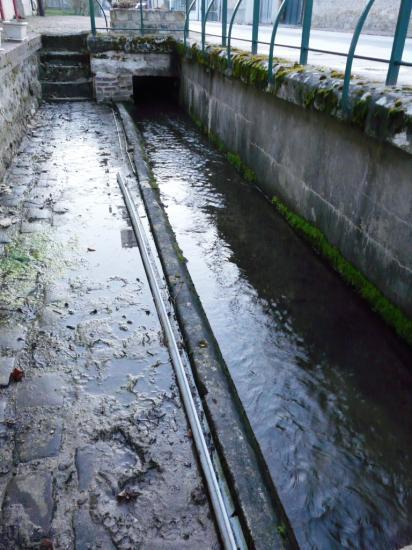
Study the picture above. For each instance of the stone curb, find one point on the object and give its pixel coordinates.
(260, 510)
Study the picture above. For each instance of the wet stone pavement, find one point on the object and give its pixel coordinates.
(95, 450)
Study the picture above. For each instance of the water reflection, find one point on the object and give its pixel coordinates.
(326, 385)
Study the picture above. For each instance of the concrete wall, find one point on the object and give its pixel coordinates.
(169, 23)
(19, 95)
(356, 189)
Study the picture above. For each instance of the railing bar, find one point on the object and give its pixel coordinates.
(230, 30)
(349, 62)
(272, 40)
(306, 28)
(399, 39)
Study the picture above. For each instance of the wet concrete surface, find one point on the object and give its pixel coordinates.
(95, 446)
(326, 385)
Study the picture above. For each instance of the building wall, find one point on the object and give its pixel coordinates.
(24, 7)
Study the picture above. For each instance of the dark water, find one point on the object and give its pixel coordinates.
(327, 387)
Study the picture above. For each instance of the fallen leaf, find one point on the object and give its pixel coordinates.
(127, 496)
(16, 374)
(91, 249)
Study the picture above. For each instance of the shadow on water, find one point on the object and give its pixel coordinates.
(326, 385)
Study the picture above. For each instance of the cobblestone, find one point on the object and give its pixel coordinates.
(97, 411)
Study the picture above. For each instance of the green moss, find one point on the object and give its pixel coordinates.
(389, 312)
(282, 530)
(360, 111)
(179, 254)
(337, 74)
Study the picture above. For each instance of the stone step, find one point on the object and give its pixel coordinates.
(72, 42)
(65, 57)
(81, 88)
(52, 72)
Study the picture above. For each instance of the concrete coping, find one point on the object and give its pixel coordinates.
(13, 52)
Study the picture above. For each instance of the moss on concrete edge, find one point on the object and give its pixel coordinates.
(379, 303)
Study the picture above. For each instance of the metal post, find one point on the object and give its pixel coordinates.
(186, 29)
(349, 62)
(255, 27)
(92, 17)
(141, 18)
(224, 22)
(272, 40)
(229, 36)
(203, 20)
(399, 42)
(306, 27)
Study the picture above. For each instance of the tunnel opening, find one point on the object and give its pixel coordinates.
(149, 90)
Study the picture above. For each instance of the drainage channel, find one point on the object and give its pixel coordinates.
(224, 510)
(327, 387)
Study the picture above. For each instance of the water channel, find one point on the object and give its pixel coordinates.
(326, 385)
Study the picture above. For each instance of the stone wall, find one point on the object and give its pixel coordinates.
(19, 95)
(354, 187)
(343, 15)
(115, 60)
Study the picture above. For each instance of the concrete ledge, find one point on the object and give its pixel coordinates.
(259, 508)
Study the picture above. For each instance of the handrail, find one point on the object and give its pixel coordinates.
(229, 36)
(272, 40)
(399, 41)
(351, 53)
(204, 23)
(185, 29)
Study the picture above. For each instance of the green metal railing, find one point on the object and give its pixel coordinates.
(394, 63)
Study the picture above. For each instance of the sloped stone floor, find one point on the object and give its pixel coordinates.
(95, 450)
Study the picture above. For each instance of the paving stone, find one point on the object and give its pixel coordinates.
(4, 237)
(6, 367)
(38, 214)
(43, 391)
(88, 534)
(3, 406)
(29, 497)
(41, 440)
(12, 338)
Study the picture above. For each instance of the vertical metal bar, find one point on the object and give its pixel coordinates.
(272, 40)
(399, 42)
(2, 16)
(186, 28)
(92, 17)
(141, 18)
(229, 36)
(351, 53)
(224, 22)
(255, 26)
(306, 27)
(203, 20)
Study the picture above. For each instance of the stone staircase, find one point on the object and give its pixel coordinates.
(65, 67)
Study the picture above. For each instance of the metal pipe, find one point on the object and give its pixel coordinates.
(2, 16)
(204, 24)
(399, 42)
(255, 26)
(141, 18)
(306, 27)
(186, 27)
(222, 518)
(230, 30)
(272, 40)
(351, 53)
(224, 22)
(203, 20)
(92, 17)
